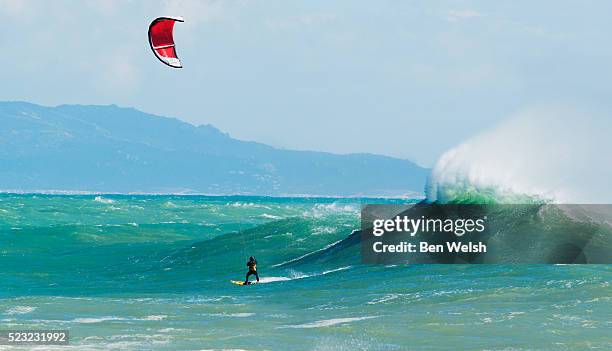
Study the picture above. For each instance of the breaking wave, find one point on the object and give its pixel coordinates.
(554, 155)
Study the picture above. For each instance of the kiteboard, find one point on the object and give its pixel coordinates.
(241, 282)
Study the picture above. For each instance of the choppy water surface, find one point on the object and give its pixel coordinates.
(152, 273)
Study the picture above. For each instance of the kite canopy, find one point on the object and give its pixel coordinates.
(162, 41)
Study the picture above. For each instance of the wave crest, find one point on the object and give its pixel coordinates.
(540, 155)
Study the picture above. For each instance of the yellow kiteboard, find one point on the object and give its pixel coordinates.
(241, 282)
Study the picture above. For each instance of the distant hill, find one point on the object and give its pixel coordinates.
(114, 149)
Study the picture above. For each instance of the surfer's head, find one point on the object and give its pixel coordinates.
(251, 258)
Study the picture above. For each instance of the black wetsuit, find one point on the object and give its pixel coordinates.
(252, 270)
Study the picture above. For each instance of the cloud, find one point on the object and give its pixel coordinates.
(105, 7)
(121, 77)
(195, 11)
(18, 10)
(461, 15)
(312, 19)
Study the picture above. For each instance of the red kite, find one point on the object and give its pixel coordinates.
(162, 41)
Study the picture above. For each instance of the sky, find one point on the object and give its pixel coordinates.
(409, 79)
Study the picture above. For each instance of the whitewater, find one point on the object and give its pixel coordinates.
(549, 153)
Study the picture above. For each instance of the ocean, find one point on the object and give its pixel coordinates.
(136, 272)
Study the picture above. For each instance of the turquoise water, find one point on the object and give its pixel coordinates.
(152, 273)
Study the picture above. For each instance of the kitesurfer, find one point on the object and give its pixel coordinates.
(252, 264)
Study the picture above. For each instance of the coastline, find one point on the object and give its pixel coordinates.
(407, 196)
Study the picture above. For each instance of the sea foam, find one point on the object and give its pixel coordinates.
(328, 322)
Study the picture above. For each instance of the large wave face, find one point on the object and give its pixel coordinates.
(555, 155)
(89, 244)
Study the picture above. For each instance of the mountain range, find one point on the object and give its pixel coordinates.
(113, 149)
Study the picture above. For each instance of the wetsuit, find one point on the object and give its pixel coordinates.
(252, 270)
